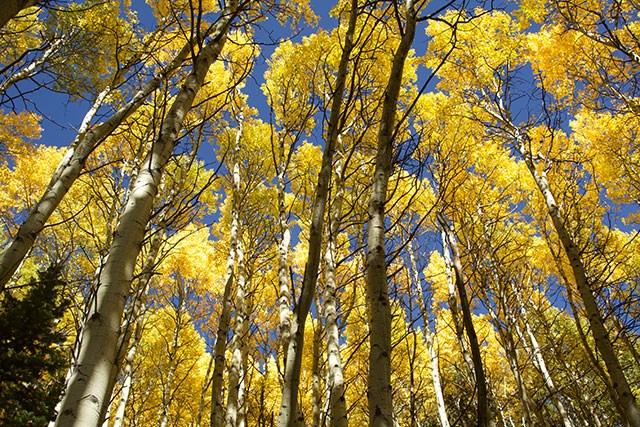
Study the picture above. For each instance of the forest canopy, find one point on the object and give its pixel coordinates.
(291, 213)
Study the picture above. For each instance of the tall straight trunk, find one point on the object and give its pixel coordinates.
(481, 384)
(379, 377)
(284, 295)
(622, 396)
(218, 410)
(203, 394)
(167, 392)
(538, 359)
(626, 400)
(316, 393)
(88, 390)
(335, 377)
(289, 415)
(430, 340)
(458, 325)
(237, 373)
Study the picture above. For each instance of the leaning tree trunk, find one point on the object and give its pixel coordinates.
(72, 164)
(88, 390)
(623, 396)
(481, 383)
(626, 400)
(538, 359)
(379, 377)
(289, 414)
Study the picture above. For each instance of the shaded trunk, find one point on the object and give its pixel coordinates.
(481, 384)
(11, 8)
(335, 377)
(289, 415)
(88, 390)
(379, 377)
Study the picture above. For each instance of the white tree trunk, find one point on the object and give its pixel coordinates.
(289, 415)
(88, 390)
(623, 396)
(379, 378)
(218, 412)
(338, 407)
(430, 340)
(70, 167)
(626, 399)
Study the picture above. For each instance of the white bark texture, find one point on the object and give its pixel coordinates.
(430, 340)
(218, 412)
(379, 378)
(289, 415)
(338, 406)
(70, 167)
(239, 345)
(87, 390)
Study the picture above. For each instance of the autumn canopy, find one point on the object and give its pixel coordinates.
(307, 213)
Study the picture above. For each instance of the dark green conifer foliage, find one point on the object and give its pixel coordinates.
(32, 361)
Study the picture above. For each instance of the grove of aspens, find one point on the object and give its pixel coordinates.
(292, 213)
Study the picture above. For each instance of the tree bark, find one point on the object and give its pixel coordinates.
(627, 401)
(481, 384)
(379, 377)
(71, 165)
(335, 378)
(430, 340)
(218, 411)
(88, 389)
(289, 415)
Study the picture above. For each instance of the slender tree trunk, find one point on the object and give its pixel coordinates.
(335, 377)
(430, 340)
(528, 407)
(284, 295)
(238, 348)
(481, 384)
(627, 401)
(379, 377)
(538, 360)
(128, 378)
(71, 165)
(236, 374)
(289, 415)
(316, 395)
(623, 396)
(88, 391)
(203, 394)
(217, 408)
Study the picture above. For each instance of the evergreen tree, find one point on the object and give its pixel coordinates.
(31, 360)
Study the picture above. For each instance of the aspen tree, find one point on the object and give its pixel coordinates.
(289, 416)
(379, 380)
(87, 390)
